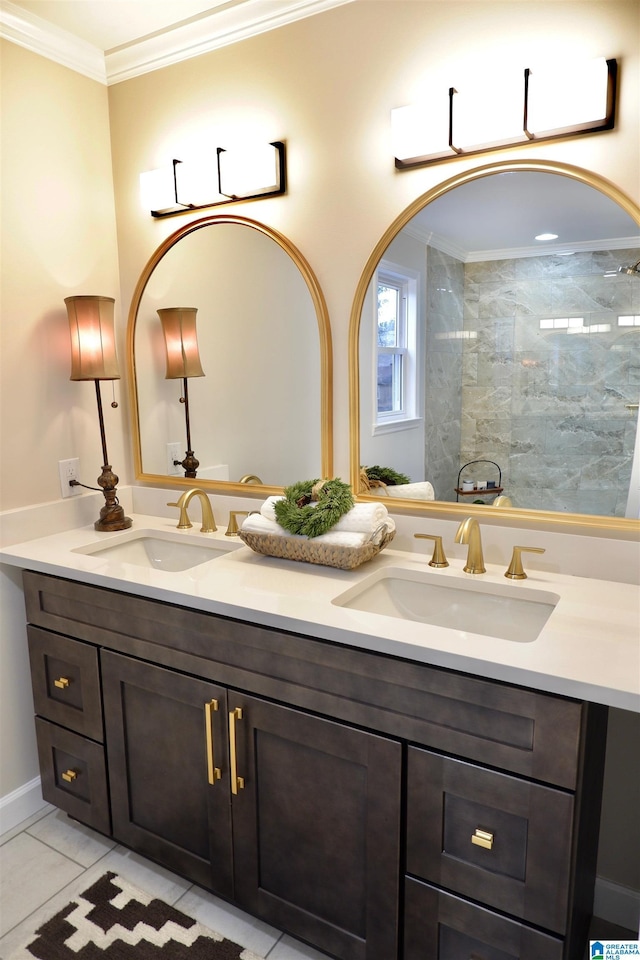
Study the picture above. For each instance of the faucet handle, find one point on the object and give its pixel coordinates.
(438, 559)
(232, 529)
(516, 571)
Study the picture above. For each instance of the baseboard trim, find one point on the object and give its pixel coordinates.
(20, 804)
(617, 904)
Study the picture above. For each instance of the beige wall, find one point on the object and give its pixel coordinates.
(326, 85)
(58, 239)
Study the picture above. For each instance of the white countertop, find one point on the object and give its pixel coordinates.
(589, 648)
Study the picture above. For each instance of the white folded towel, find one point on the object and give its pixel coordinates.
(362, 518)
(257, 523)
(267, 509)
(408, 491)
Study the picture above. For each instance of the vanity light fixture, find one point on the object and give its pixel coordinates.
(552, 103)
(183, 361)
(249, 172)
(93, 357)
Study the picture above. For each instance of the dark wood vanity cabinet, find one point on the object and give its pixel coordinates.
(271, 807)
(378, 809)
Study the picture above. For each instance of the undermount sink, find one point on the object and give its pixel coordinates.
(491, 609)
(159, 550)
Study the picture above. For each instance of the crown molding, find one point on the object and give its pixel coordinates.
(245, 19)
(41, 37)
(513, 253)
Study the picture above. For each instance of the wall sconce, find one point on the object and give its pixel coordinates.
(183, 361)
(93, 357)
(551, 103)
(243, 173)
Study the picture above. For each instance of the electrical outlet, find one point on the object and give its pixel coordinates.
(173, 453)
(69, 470)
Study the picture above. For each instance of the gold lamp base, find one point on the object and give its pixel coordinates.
(112, 516)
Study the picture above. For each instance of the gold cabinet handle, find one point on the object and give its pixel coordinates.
(213, 773)
(70, 775)
(62, 683)
(237, 783)
(482, 838)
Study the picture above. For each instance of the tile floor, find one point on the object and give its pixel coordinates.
(49, 858)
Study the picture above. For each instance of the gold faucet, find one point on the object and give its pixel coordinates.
(469, 532)
(232, 529)
(208, 523)
(438, 559)
(516, 570)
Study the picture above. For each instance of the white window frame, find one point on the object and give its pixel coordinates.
(407, 283)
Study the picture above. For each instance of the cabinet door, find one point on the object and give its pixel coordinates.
(168, 759)
(316, 822)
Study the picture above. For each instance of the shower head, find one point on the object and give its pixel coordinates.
(633, 270)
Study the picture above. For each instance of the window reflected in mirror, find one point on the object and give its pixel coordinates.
(527, 351)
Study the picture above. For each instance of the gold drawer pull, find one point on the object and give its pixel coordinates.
(237, 783)
(213, 773)
(70, 775)
(482, 838)
(62, 683)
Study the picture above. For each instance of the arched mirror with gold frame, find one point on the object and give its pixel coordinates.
(526, 357)
(262, 412)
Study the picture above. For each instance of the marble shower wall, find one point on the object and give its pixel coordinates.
(547, 405)
(443, 371)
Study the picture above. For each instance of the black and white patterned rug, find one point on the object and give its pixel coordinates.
(113, 920)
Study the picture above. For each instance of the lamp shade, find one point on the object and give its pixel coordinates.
(181, 342)
(93, 345)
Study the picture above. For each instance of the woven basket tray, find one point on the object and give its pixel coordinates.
(310, 551)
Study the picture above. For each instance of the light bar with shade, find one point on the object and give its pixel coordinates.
(566, 98)
(183, 361)
(93, 357)
(421, 131)
(250, 172)
(485, 112)
(159, 191)
(542, 103)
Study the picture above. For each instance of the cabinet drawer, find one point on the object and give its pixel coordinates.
(502, 841)
(66, 682)
(440, 926)
(74, 775)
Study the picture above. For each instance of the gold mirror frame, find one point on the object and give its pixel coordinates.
(326, 361)
(623, 527)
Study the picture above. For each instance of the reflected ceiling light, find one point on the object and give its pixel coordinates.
(183, 361)
(93, 357)
(249, 172)
(480, 115)
(546, 236)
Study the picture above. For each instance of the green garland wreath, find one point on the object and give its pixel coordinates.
(387, 475)
(297, 514)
